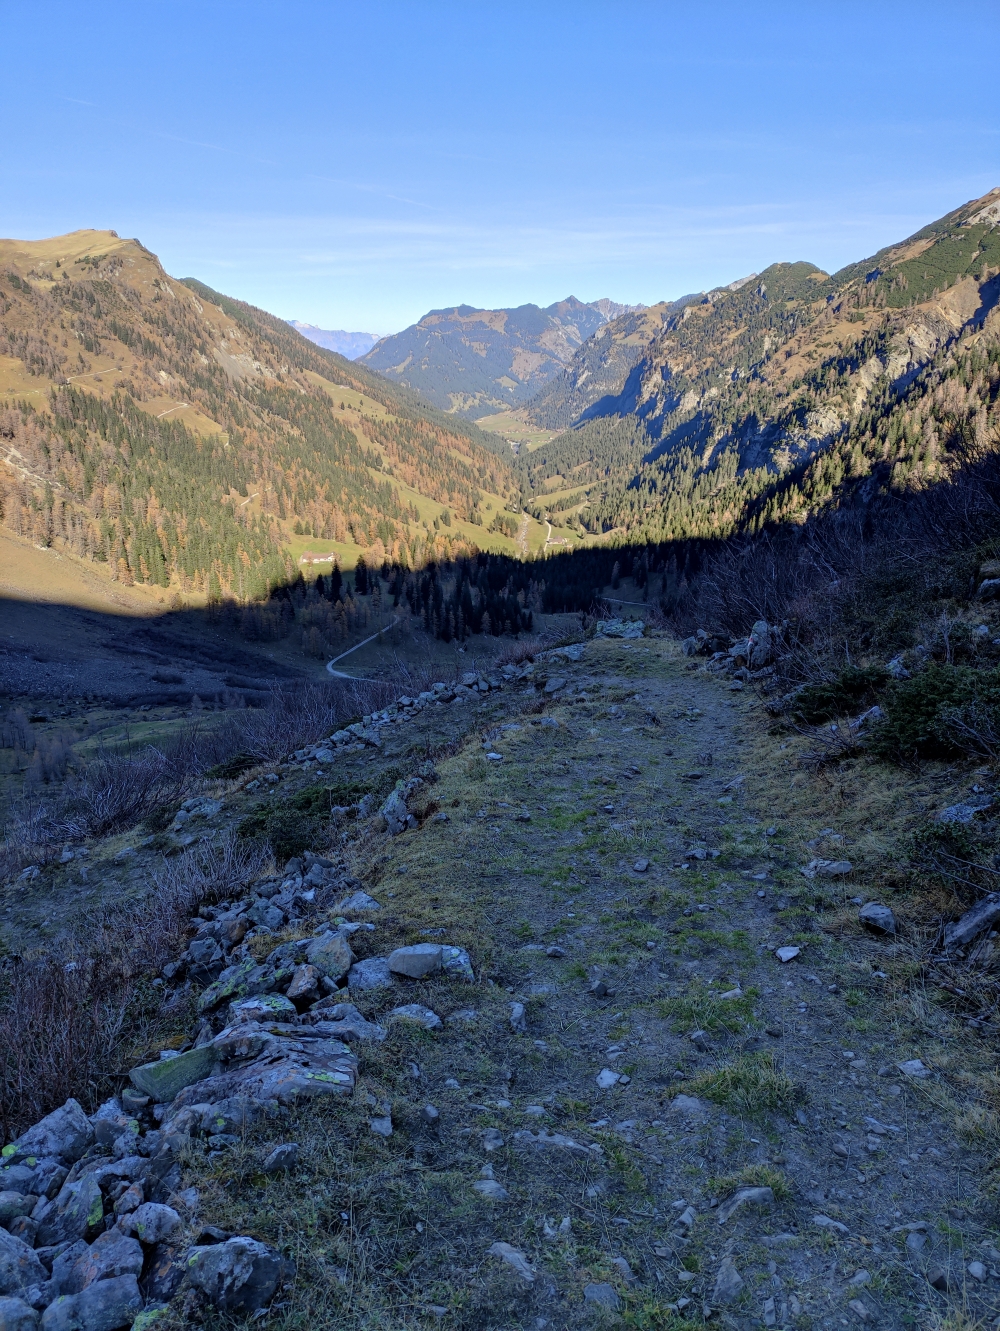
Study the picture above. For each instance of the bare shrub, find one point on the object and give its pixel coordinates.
(296, 717)
(117, 790)
(67, 1016)
(51, 760)
(974, 729)
(518, 651)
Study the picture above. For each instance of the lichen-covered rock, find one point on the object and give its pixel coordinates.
(240, 1275)
(261, 1007)
(331, 954)
(20, 1268)
(246, 979)
(66, 1133)
(76, 1213)
(152, 1223)
(456, 964)
(283, 1064)
(111, 1254)
(162, 1080)
(105, 1306)
(166, 1269)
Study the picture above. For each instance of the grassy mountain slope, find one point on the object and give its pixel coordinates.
(470, 361)
(752, 392)
(191, 441)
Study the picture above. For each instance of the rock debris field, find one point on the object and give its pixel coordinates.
(589, 1020)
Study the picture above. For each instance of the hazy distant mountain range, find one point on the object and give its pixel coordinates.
(349, 345)
(473, 362)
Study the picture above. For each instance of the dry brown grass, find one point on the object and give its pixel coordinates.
(69, 1018)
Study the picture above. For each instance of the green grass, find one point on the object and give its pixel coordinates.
(702, 1009)
(753, 1176)
(751, 1085)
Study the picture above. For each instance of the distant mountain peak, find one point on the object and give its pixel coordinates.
(349, 345)
(473, 361)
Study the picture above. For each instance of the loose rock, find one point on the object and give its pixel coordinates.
(514, 1258)
(16, 1315)
(602, 1295)
(152, 1223)
(491, 1190)
(760, 1197)
(416, 1012)
(20, 1268)
(417, 961)
(728, 1283)
(240, 1275)
(104, 1306)
(878, 918)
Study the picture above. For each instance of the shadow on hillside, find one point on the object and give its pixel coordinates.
(61, 650)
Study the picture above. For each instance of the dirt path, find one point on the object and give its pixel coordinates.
(522, 537)
(609, 987)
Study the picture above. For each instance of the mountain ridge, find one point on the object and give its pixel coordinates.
(745, 387)
(349, 345)
(192, 442)
(470, 361)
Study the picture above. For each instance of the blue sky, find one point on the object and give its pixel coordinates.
(355, 165)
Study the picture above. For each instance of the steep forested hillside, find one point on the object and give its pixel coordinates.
(192, 441)
(756, 402)
(474, 361)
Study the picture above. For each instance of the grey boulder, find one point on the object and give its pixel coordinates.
(395, 813)
(762, 1198)
(372, 973)
(357, 903)
(104, 1306)
(66, 1132)
(14, 1204)
(417, 1013)
(20, 1268)
(240, 1275)
(282, 1158)
(728, 1283)
(111, 1254)
(344, 1021)
(878, 918)
(982, 916)
(16, 1315)
(602, 1295)
(78, 1211)
(417, 961)
(331, 954)
(152, 1222)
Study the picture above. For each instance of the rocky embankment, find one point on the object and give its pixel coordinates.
(97, 1233)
